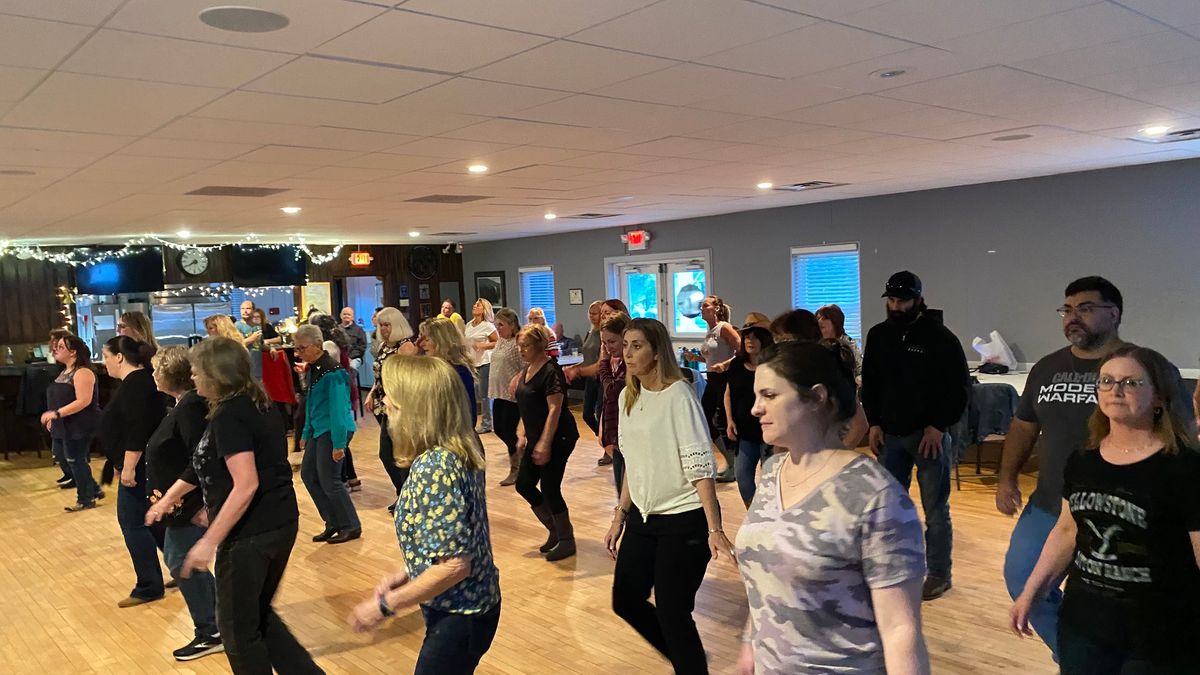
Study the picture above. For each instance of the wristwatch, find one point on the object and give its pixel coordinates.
(383, 606)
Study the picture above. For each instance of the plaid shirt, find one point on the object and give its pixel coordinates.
(611, 383)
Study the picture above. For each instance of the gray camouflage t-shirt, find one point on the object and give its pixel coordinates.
(809, 570)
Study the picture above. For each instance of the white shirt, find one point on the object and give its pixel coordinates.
(665, 442)
(476, 334)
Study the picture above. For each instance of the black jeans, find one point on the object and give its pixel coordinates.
(387, 455)
(1080, 655)
(348, 472)
(248, 571)
(549, 475)
(505, 418)
(454, 643)
(143, 542)
(618, 466)
(669, 555)
(591, 404)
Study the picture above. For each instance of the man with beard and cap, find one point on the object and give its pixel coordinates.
(1059, 397)
(914, 388)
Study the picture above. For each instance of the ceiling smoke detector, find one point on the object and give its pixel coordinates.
(238, 19)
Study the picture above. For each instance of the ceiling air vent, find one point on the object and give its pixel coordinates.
(1172, 137)
(447, 199)
(234, 191)
(808, 185)
(451, 234)
(591, 216)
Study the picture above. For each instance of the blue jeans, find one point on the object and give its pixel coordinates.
(200, 589)
(140, 541)
(898, 456)
(322, 477)
(591, 404)
(481, 395)
(454, 643)
(1028, 537)
(73, 455)
(750, 454)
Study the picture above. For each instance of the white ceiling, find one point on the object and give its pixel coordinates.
(651, 109)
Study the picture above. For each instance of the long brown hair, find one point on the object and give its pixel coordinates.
(1170, 420)
(660, 343)
(225, 363)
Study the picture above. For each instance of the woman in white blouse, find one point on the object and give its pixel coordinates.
(480, 334)
(668, 500)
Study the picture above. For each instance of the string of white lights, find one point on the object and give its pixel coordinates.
(87, 256)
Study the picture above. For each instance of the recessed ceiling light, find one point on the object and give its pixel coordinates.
(1154, 131)
(765, 185)
(16, 172)
(243, 19)
(550, 216)
(290, 210)
(888, 73)
(477, 168)
(183, 234)
(414, 234)
(991, 250)
(1012, 137)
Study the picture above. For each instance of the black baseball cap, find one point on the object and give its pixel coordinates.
(903, 285)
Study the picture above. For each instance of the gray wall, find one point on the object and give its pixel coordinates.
(1136, 225)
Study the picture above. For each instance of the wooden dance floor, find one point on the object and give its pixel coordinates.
(62, 574)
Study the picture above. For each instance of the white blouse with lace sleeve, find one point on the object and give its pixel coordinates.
(666, 447)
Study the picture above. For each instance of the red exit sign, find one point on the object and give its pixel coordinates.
(360, 259)
(636, 240)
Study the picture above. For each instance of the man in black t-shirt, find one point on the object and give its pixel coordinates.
(1059, 396)
(914, 388)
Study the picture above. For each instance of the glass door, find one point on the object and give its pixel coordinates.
(640, 284)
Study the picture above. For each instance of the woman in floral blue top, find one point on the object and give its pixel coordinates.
(441, 521)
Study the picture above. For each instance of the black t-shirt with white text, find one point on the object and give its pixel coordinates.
(238, 425)
(1133, 581)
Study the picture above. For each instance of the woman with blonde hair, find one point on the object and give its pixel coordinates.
(395, 337)
(220, 325)
(546, 440)
(537, 316)
(481, 340)
(1128, 534)
(668, 498)
(241, 466)
(441, 521)
(441, 339)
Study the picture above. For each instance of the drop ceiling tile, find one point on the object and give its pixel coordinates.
(517, 131)
(673, 164)
(343, 173)
(415, 40)
(399, 116)
(568, 16)
(919, 63)
(930, 21)
(32, 43)
(807, 50)
(1133, 81)
(850, 111)
(1105, 112)
(606, 113)
(675, 146)
(64, 141)
(546, 172)
(1143, 51)
(312, 22)
(87, 12)
(278, 109)
(775, 96)
(129, 169)
(15, 83)
(604, 160)
(391, 162)
(480, 97)
(342, 80)
(825, 9)
(997, 91)
(754, 130)
(1085, 26)
(821, 137)
(569, 66)
(67, 101)
(37, 160)
(737, 152)
(286, 154)
(450, 148)
(165, 147)
(1171, 12)
(252, 171)
(158, 59)
(924, 118)
(260, 133)
(685, 84)
(689, 29)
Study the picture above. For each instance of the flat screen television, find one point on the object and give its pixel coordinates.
(255, 266)
(138, 272)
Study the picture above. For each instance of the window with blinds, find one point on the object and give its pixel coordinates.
(829, 275)
(537, 290)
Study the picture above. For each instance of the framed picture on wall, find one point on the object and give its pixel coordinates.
(426, 310)
(490, 287)
(316, 295)
(422, 291)
(576, 295)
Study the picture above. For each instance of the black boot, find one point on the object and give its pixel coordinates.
(565, 548)
(543, 514)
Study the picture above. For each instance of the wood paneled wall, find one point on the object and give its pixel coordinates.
(29, 304)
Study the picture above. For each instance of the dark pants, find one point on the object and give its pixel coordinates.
(74, 461)
(322, 476)
(898, 456)
(712, 401)
(505, 418)
(669, 555)
(386, 455)
(454, 643)
(199, 590)
(249, 570)
(59, 449)
(591, 404)
(143, 543)
(750, 454)
(1080, 655)
(549, 476)
(618, 466)
(348, 472)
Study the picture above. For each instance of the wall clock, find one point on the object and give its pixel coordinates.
(193, 262)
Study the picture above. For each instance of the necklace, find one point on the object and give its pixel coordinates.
(811, 474)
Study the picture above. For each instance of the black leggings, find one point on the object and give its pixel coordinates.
(549, 475)
(387, 456)
(669, 555)
(505, 418)
(713, 404)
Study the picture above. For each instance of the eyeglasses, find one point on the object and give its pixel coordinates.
(1083, 309)
(1106, 383)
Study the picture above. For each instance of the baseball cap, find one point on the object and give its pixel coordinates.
(904, 285)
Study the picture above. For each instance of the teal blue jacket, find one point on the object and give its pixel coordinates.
(327, 406)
